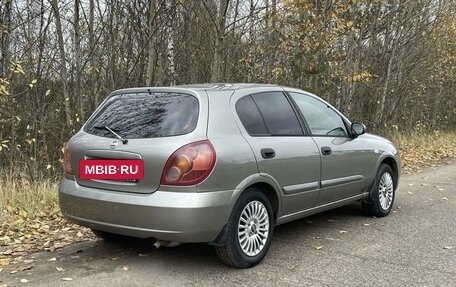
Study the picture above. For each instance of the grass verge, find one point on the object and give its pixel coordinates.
(25, 196)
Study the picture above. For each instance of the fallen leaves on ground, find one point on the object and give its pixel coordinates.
(21, 234)
(425, 150)
(4, 261)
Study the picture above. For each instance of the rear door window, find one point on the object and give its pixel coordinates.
(278, 114)
(146, 115)
(268, 114)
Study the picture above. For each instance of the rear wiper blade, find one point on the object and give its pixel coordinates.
(124, 140)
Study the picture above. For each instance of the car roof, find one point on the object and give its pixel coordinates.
(207, 87)
(224, 86)
(213, 88)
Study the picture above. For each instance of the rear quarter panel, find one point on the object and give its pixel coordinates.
(235, 160)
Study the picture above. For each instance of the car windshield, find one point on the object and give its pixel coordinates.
(145, 115)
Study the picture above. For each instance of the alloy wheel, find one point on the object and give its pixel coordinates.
(386, 190)
(253, 228)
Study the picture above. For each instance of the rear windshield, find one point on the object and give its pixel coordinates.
(145, 115)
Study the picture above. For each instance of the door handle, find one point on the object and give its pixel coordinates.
(267, 153)
(326, 150)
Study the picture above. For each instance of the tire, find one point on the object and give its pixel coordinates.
(382, 193)
(254, 227)
(107, 236)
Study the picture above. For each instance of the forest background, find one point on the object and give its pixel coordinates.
(390, 64)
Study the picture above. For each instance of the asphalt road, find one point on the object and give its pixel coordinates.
(414, 246)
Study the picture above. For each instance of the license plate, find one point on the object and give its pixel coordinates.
(112, 169)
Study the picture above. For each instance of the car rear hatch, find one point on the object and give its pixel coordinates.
(154, 124)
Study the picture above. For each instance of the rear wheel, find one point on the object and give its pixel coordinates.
(249, 231)
(382, 193)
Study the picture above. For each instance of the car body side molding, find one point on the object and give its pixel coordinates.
(298, 188)
(341, 180)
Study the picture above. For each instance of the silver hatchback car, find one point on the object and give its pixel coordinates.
(221, 164)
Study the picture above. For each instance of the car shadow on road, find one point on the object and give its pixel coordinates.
(347, 214)
(203, 254)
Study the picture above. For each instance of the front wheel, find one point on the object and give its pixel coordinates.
(382, 193)
(249, 231)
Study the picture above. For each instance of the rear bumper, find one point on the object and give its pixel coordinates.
(164, 215)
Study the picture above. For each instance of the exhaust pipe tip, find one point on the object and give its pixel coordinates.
(161, 243)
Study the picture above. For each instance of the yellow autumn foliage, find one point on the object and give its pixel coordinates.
(363, 76)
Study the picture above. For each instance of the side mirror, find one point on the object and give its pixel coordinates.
(358, 129)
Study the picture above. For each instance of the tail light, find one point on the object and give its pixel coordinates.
(190, 164)
(67, 159)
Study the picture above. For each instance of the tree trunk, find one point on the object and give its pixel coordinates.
(93, 89)
(63, 69)
(170, 47)
(396, 35)
(77, 54)
(151, 45)
(5, 32)
(42, 39)
(217, 64)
